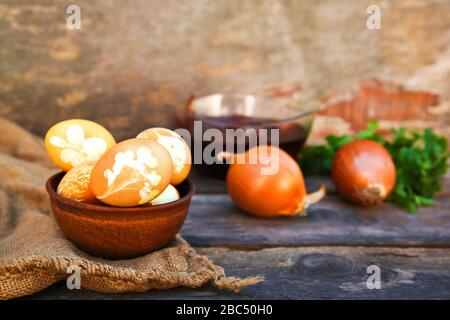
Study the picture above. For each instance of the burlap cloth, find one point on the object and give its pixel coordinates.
(34, 254)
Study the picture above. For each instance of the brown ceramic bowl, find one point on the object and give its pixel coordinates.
(118, 233)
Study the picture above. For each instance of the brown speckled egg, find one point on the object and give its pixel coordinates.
(178, 149)
(71, 142)
(131, 173)
(75, 183)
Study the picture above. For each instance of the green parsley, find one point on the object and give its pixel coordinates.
(421, 158)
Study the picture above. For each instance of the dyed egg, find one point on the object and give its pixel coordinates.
(131, 173)
(75, 183)
(170, 194)
(178, 149)
(70, 143)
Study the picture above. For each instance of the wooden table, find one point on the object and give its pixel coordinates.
(322, 256)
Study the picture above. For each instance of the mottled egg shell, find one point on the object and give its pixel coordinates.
(178, 149)
(75, 183)
(131, 173)
(170, 194)
(71, 142)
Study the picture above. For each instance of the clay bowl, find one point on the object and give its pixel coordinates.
(118, 233)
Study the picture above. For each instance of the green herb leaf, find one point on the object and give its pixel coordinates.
(421, 158)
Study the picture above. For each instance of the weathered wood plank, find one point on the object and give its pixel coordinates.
(215, 221)
(311, 273)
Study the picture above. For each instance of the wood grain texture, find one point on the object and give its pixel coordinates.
(214, 220)
(310, 273)
(332, 221)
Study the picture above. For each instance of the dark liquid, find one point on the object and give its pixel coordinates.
(292, 137)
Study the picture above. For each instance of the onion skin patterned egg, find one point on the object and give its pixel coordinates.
(131, 173)
(71, 142)
(170, 194)
(177, 148)
(75, 183)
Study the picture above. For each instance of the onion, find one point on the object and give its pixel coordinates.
(363, 172)
(282, 193)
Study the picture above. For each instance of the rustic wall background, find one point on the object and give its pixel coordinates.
(133, 59)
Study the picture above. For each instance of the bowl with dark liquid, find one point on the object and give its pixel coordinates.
(222, 111)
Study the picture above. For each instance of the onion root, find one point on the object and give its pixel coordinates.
(310, 199)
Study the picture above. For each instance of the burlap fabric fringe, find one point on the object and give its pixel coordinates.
(34, 254)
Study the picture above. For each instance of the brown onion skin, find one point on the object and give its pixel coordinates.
(276, 195)
(364, 172)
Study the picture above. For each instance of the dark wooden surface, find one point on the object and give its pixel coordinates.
(324, 255)
(311, 273)
(331, 222)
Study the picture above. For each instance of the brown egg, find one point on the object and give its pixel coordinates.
(75, 183)
(71, 142)
(178, 149)
(131, 173)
